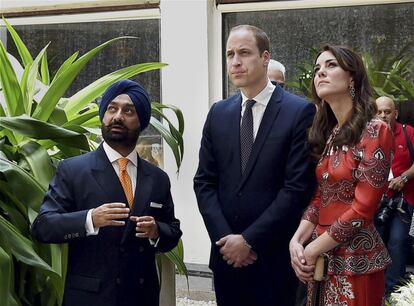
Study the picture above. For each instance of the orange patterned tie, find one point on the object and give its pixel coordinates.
(126, 180)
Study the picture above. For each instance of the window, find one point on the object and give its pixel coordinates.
(67, 38)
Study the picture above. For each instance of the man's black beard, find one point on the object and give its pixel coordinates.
(126, 138)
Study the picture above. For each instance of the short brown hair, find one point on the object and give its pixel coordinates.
(262, 40)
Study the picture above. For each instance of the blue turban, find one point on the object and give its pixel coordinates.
(138, 95)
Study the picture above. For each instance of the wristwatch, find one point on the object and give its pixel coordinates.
(404, 178)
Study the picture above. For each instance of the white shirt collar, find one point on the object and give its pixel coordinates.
(263, 97)
(114, 155)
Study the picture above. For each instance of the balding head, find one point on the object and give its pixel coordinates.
(386, 110)
(276, 71)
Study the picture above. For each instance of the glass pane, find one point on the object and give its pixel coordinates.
(376, 29)
(71, 37)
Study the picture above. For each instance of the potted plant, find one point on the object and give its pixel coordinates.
(39, 126)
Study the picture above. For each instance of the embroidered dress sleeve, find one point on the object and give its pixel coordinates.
(311, 213)
(371, 175)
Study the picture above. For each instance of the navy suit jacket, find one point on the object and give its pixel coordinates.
(265, 203)
(113, 268)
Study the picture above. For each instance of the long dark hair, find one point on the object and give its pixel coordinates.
(363, 108)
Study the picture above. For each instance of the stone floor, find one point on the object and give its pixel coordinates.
(199, 289)
(188, 302)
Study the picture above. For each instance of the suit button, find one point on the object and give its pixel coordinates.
(141, 249)
(118, 281)
(141, 281)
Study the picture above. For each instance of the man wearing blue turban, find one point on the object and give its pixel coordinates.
(114, 210)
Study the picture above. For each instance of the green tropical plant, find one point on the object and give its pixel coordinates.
(38, 127)
(302, 82)
(390, 75)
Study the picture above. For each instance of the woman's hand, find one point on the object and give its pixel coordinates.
(310, 254)
(303, 270)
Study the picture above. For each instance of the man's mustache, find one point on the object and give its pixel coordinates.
(116, 125)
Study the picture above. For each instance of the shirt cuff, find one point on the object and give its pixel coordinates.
(154, 242)
(90, 229)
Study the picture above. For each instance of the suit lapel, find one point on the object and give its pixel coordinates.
(142, 190)
(105, 175)
(269, 118)
(144, 185)
(234, 132)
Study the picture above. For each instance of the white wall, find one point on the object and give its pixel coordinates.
(186, 42)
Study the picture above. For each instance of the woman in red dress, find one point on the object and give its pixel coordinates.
(354, 152)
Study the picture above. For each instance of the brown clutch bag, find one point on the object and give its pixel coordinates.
(321, 268)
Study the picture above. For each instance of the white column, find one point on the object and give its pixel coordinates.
(186, 28)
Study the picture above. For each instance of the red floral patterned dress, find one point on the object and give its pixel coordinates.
(351, 181)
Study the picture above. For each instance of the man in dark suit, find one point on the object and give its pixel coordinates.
(254, 178)
(113, 233)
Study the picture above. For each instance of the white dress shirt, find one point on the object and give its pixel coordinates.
(113, 156)
(258, 109)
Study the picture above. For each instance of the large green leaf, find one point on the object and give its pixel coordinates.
(58, 88)
(23, 185)
(2, 112)
(29, 81)
(56, 256)
(22, 248)
(11, 88)
(6, 280)
(176, 134)
(94, 122)
(37, 129)
(59, 253)
(178, 113)
(167, 136)
(66, 64)
(80, 119)
(17, 212)
(58, 117)
(66, 151)
(83, 97)
(176, 255)
(21, 47)
(39, 162)
(44, 70)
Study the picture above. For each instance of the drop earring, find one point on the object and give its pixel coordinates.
(352, 91)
